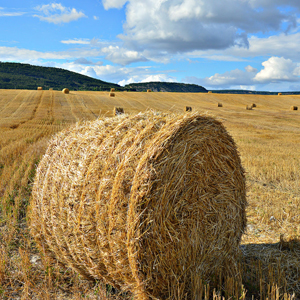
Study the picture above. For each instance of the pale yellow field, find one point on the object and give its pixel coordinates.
(268, 139)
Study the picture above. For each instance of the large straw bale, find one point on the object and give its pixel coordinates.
(294, 107)
(112, 89)
(149, 91)
(220, 105)
(149, 203)
(40, 88)
(66, 91)
(111, 94)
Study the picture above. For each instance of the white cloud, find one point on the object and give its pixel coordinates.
(122, 56)
(10, 14)
(278, 69)
(113, 3)
(275, 70)
(250, 69)
(77, 41)
(95, 18)
(57, 13)
(21, 55)
(186, 25)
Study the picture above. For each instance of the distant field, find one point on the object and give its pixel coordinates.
(268, 139)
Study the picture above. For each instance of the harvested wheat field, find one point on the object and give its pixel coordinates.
(266, 139)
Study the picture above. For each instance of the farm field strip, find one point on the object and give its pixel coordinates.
(267, 139)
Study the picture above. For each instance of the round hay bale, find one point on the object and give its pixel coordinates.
(209, 92)
(279, 94)
(50, 89)
(220, 105)
(40, 88)
(65, 91)
(294, 107)
(150, 203)
(149, 91)
(112, 94)
(112, 89)
(118, 111)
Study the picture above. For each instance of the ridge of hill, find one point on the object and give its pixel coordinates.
(167, 87)
(25, 76)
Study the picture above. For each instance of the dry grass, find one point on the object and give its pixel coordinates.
(266, 141)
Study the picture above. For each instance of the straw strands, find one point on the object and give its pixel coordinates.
(66, 91)
(150, 203)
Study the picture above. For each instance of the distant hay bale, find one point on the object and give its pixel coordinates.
(279, 94)
(112, 89)
(112, 94)
(39, 88)
(151, 203)
(65, 91)
(209, 92)
(294, 107)
(253, 105)
(220, 105)
(118, 111)
(50, 89)
(149, 91)
(188, 108)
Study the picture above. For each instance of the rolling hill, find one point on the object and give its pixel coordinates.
(25, 76)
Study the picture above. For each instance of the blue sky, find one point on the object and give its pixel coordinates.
(228, 44)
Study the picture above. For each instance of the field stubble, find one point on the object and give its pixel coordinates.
(267, 139)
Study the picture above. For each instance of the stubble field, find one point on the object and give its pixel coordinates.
(268, 139)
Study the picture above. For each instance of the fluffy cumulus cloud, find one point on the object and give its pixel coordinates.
(275, 69)
(56, 13)
(122, 56)
(186, 25)
(278, 69)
